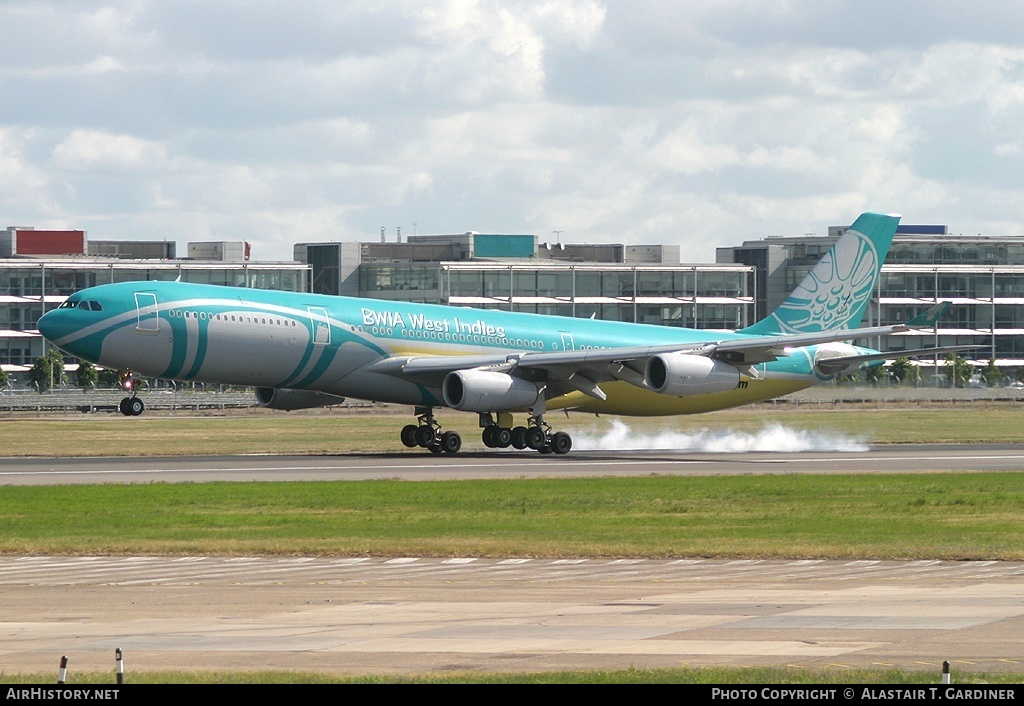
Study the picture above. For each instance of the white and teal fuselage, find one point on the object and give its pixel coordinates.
(478, 360)
(335, 345)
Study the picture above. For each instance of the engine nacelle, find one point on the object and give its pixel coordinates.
(484, 391)
(288, 399)
(826, 353)
(680, 375)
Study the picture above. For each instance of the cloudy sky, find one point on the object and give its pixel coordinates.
(702, 123)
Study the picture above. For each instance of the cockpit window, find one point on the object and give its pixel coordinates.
(87, 304)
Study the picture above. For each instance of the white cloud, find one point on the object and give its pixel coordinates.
(94, 149)
(701, 123)
(686, 151)
(24, 188)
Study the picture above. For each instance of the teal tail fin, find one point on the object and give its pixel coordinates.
(834, 295)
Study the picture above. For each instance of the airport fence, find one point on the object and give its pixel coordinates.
(70, 401)
(897, 396)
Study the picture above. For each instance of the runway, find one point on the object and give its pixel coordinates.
(415, 615)
(413, 465)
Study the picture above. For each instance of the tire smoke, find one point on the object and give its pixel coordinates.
(773, 437)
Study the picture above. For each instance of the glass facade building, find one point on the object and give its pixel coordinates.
(612, 282)
(696, 296)
(987, 308)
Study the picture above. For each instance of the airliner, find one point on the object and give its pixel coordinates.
(304, 350)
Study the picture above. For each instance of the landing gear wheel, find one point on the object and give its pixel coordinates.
(495, 437)
(409, 435)
(488, 437)
(425, 436)
(536, 438)
(451, 442)
(131, 407)
(561, 443)
(518, 438)
(502, 437)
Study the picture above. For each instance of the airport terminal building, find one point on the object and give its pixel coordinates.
(636, 283)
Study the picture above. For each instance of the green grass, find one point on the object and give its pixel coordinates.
(263, 431)
(935, 516)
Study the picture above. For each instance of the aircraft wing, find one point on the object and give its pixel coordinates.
(426, 367)
(583, 370)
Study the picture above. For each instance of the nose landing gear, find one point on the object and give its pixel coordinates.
(130, 406)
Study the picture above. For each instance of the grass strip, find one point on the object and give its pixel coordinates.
(935, 516)
(263, 431)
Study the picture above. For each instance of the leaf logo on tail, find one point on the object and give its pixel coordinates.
(836, 291)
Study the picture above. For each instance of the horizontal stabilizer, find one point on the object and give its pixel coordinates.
(929, 318)
(831, 366)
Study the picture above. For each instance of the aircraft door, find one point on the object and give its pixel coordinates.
(148, 313)
(321, 325)
(567, 343)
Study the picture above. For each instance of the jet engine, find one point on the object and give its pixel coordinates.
(679, 375)
(288, 399)
(485, 391)
(838, 358)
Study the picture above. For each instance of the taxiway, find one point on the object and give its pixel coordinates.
(409, 615)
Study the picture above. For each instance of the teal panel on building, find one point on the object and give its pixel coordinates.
(485, 245)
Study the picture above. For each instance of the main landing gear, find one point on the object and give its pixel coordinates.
(497, 434)
(427, 434)
(537, 435)
(130, 406)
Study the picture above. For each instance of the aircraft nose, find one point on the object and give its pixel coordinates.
(53, 325)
